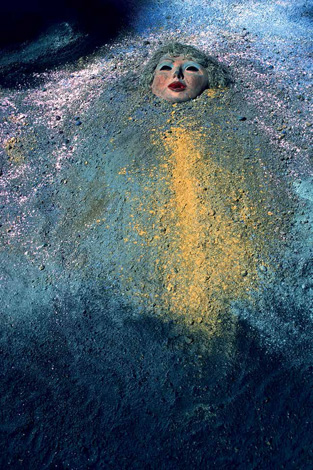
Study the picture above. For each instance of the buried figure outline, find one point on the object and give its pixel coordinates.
(196, 185)
(178, 73)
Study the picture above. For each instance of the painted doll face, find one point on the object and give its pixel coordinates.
(178, 79)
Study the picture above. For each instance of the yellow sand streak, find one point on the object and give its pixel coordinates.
(207, 262)
(198, 231)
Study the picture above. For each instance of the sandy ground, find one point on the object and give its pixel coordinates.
(156, 298)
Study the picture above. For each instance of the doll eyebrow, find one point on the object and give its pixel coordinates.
(191, 61)
(169, 62)
(192, 64)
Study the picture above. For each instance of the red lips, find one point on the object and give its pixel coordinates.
(177, 86)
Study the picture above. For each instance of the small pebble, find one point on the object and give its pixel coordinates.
(42, 267)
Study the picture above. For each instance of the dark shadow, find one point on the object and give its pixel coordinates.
(23, 21)
(83, 388)
(307, 12)
(93, 22)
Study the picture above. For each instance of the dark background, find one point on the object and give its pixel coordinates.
(25, 20)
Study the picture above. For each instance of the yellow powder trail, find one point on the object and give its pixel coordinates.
(191, 257)
(197, 232)
(208, 263)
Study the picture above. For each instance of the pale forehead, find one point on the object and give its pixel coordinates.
(175, 58)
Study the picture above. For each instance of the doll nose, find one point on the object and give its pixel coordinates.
(178, 72)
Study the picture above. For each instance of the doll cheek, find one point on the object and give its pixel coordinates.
(193, 82)
(197, 82)
(160, 81)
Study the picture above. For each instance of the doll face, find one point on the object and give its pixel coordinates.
(178, 79)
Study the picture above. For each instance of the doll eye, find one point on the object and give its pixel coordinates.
(165, 67)
(192, 68)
